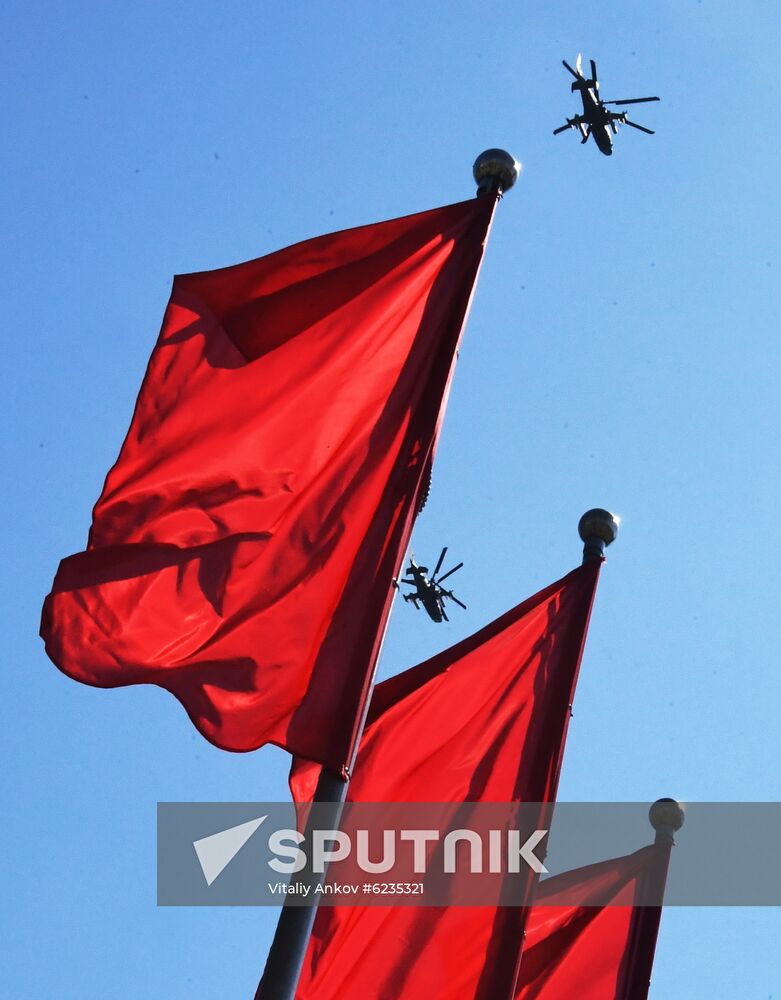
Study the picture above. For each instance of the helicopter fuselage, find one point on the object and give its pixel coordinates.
(427, 593)
(597, 116)
(431, 603)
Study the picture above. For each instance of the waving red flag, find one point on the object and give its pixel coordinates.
(484, 721)
(242, 551)
(585, 939)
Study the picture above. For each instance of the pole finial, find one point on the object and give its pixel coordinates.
(598, 528)
(666, 817)
(495, 170)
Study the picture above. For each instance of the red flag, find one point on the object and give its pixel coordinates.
(484, 721)
(575, 948)
(242, 550)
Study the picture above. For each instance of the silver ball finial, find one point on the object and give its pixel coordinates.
(597, 528)
(495, 169)
(666, 817)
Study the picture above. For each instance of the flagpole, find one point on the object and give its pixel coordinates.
(288, 949)
(598, 528)
(495, 171)
(666, 816)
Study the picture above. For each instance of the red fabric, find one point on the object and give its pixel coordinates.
(583, 950)
(484, 721)
(242, 550)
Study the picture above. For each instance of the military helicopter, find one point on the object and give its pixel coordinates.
(596, 119)
(429, 590)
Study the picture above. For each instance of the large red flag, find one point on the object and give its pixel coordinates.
(242, 550)
(484, 721)
(585, 939)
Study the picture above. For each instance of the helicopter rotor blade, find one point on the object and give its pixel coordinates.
(440, 561)
(579, 64)
(594, 73)
(641, 128)
(450, 572)
(634, 100)
(566, 65)
(564, 128)
(453, 597)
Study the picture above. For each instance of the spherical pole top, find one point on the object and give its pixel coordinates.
(495, 170)
(666, 817)
(597, 528)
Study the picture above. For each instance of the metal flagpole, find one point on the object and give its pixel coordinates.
(666, 817)
(288, 949)
(494, 171)
(598, 529)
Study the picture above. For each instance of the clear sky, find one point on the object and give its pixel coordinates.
(623, 351)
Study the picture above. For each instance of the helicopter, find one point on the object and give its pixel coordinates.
(596, 119)
(429, 590)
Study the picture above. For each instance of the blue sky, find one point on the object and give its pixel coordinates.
(622, 351)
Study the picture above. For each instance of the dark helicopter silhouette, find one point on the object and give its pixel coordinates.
(596, 119)
(429, 590)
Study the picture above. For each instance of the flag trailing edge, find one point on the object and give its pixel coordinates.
(484, 721)
(242, 550)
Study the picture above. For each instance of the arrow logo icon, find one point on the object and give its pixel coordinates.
(217, 851)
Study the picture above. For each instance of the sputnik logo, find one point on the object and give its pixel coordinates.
(217, 851)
